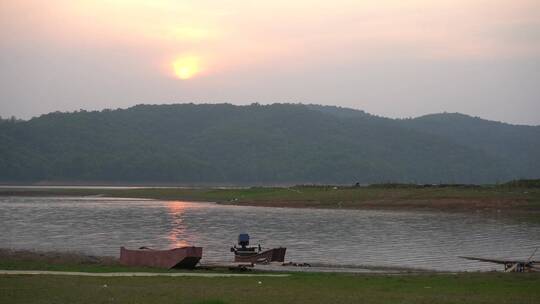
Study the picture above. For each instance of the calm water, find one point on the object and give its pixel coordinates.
(338, 237)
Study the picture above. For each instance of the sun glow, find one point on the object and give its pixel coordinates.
(186, 67)
(177, 235)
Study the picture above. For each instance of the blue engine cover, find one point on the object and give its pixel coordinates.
(243, 238)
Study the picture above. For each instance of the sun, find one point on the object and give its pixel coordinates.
(186, 67)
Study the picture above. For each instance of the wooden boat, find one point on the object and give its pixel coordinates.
(528, 265)
(263, 257)
(256, 255)
(183, 257)
(511, 265)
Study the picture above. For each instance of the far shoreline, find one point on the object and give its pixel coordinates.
(519, 197)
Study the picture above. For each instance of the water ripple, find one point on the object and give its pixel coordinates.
(431, 240)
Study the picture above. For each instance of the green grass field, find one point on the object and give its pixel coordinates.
(298, 288)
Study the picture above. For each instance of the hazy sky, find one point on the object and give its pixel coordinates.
(395, 58)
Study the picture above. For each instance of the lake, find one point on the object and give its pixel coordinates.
(427, 240)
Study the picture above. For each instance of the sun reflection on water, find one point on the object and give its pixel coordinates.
(177, 236)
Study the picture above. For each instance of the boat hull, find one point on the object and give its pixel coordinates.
(271, 255)
(183, 257)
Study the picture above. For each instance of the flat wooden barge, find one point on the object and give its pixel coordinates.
(183, 257)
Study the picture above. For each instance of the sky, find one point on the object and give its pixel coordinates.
(393, 58)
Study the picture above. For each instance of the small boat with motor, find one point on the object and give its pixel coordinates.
(256, 255)
(182, 257)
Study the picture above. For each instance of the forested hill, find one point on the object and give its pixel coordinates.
(274, 144)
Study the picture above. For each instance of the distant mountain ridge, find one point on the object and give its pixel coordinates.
(263, 144)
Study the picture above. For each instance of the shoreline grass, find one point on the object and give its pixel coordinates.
(79, 262)
(11, 259)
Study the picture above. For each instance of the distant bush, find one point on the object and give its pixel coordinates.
(393, 186)
(418, 186)
(211, 302)
(523, 183)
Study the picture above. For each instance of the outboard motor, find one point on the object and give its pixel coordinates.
(243, 240)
